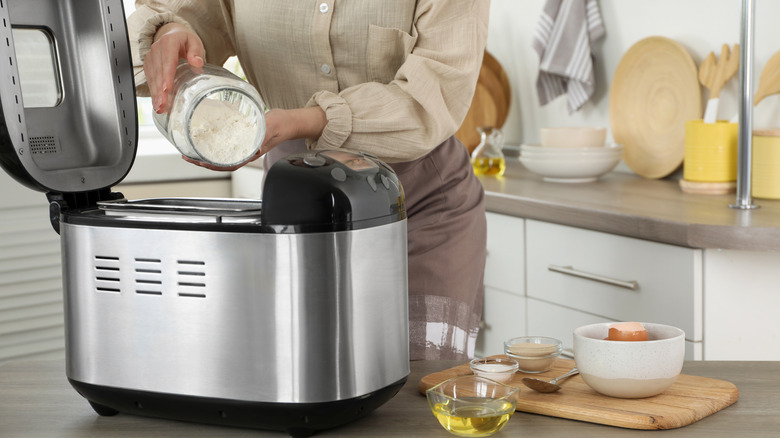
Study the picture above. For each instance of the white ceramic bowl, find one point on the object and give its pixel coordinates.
(612, 149)
(573, 137)
(629, 369)
(570, 169)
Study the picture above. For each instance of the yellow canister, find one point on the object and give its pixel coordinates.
(710, 151)
(765, 175)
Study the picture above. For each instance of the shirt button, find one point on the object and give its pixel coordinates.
(325, 69)
(324, 8)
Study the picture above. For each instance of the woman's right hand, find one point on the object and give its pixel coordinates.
(171, 42)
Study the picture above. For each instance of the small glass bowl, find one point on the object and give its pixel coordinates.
(495, 368)
(534, 354)
(472, 405)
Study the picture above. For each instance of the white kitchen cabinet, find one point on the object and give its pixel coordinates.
(546, 319)
(559, 322)
(669, 283)
(505, 264)
(740, 287)
(504, 314)
(667, 278)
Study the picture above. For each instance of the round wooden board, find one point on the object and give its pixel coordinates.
(499, 87)
(483, 112)
(655, 91)
(490, 104)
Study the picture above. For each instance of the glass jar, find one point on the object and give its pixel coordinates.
(213, 116)
(488, 157)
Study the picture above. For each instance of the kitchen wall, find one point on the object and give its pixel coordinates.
(701, 26)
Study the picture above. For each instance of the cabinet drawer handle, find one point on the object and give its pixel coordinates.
(568, 270)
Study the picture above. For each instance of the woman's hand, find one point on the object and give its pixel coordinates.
(171, 42)
(282, 125)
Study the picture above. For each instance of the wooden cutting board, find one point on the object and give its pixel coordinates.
(688, 400)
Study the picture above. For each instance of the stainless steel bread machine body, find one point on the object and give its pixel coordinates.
(289, 313)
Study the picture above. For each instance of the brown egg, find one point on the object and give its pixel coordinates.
(627, 331)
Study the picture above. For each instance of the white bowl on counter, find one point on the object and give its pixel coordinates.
(570, 165)
(573, 136)
(611, 149)
(629, 369)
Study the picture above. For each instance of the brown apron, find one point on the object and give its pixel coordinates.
(447, 249)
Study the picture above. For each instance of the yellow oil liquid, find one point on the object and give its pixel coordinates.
(489, 166)
(473, 418)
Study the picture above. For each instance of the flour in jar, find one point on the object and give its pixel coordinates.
(221, 133)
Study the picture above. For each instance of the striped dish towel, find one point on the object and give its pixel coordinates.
(563, 39)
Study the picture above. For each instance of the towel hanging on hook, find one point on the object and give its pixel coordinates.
(563, 39)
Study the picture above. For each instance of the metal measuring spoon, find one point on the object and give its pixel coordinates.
(544, 386)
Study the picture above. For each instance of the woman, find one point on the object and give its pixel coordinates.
(393, 78)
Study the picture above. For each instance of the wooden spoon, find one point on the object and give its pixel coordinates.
(714, 75)
(769, 82)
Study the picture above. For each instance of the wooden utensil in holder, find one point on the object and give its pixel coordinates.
(769, 82)
(714, 74)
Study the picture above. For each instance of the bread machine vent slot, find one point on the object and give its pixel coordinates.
(107, 272)
(148, 276)
(192, 278)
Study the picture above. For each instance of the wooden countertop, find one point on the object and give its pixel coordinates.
(625, 204)
(37, 401)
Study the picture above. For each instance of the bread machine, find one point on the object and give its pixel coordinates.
(288, 313)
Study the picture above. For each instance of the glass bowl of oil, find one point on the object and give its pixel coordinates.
(472, 406)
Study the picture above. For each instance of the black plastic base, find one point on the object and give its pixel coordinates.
(297, 419)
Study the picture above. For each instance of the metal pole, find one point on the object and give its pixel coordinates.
(745, 145)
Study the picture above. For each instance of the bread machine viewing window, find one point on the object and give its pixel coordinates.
(38, 67)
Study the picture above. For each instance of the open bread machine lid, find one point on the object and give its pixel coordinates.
(68, 117)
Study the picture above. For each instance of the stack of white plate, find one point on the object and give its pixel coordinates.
(571, 165)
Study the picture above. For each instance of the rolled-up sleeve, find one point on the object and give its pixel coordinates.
(428, 96)
(207, 18)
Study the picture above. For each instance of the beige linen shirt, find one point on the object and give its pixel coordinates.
(394, 77)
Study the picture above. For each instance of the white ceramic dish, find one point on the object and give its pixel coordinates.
(573, 137)
(570, 169)
(608, 150)
(627, 369)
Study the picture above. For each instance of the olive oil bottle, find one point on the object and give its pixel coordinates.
(488, 159)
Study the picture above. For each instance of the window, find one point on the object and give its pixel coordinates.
(38, 72)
